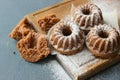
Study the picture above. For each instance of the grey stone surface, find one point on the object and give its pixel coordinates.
(13, 67)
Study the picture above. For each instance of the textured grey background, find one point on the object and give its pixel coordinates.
(13, 67)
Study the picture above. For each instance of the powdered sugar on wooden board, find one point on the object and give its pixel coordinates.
(83, 63)
(76, 65)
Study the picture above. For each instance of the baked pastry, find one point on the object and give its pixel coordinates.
(103, 41)
(21, 30)
(66, 37)
(47, 22)
(87, 16)
(34, 47)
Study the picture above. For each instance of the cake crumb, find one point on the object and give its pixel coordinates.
(47, 22)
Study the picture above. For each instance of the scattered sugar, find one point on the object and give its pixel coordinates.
(111, 13)
(58, 73)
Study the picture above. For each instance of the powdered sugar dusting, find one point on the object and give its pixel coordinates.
(111, 13)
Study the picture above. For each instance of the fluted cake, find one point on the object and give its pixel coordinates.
(66, 37)
(103, 41)
(86, 16)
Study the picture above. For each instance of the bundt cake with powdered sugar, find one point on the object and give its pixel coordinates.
(86, 16)
(66, 37)
(103, 41)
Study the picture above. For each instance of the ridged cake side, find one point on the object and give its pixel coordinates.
(87, 16)
(67, 38)
(103, 40)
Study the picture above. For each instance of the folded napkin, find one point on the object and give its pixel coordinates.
(111, 11)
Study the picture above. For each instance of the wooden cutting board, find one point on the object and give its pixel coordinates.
(81, 65)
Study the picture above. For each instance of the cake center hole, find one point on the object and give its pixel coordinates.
(86, 11)
(66, 31)
(103, 34)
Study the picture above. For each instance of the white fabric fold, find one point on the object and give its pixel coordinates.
(110, 10)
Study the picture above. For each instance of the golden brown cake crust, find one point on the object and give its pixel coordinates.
(66, 37)
(103, 55)
(34, 47)
(47, 22)
(21, 30)
(86, 16)
(103, 41)
(69, 52)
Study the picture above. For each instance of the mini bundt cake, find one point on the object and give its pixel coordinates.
(66, 37)
(103, 41)
(87, 16)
